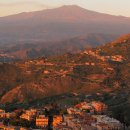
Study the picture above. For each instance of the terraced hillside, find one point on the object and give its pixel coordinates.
(104, 70)
(94, 70)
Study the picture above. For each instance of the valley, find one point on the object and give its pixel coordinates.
(99, 70)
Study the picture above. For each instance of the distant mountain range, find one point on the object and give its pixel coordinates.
(58, 24)
(57, 31)
(73, 45)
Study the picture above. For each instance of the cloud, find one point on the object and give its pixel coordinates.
(28, 3)
(18, 7)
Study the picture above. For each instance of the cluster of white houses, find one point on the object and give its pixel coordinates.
(83, 116)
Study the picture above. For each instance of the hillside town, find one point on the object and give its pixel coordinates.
(83, 116)
(117, 58)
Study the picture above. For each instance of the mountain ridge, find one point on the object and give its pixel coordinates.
(72, 45)
(60, 23)
(68, 8)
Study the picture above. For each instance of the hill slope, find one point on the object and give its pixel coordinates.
(89, 71)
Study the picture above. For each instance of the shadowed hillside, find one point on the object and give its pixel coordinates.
(92, 70)
(72, 45)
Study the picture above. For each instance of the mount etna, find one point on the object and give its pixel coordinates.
(57, 31)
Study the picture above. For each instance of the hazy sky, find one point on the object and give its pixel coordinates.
(116, 7)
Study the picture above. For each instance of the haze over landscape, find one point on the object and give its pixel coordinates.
(65, 65)
(56, 26)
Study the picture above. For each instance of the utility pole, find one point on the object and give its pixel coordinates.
(49, 114)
